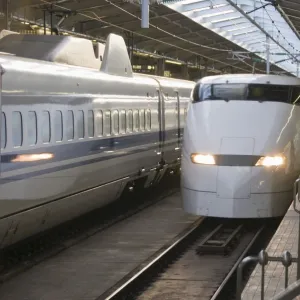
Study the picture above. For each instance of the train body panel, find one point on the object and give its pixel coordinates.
(239, 136)
(73, 137)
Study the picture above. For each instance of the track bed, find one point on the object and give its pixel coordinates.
(195, 276)
(87, 269)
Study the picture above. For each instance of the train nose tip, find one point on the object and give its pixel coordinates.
(234, 182)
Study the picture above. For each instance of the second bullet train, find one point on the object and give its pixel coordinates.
(77, 127)
(241, 149)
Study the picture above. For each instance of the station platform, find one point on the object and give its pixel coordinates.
(87, 270)
(284, 239)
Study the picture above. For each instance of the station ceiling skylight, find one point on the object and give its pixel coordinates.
(246, 24)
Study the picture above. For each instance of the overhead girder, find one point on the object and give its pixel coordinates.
(210, 13)
(229, 23)
(150, 43)
(93, 23)
(210, 54)
(202, 13)
(228, 18)
(183, 7)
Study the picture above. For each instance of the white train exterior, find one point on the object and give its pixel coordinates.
(241, 148)
(77, 126)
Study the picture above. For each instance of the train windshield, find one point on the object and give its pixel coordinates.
(252, 92)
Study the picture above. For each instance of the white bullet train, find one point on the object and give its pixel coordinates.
(77, 127)
(241, 148)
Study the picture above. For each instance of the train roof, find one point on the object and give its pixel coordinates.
(251, 78)
(111, 58)
(169, 82)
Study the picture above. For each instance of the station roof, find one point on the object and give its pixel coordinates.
(291, 9)
(248, 23)
(171, 33)
(219, 31)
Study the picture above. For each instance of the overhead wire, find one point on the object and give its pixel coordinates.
(160, 29)
(97, 18)
(279, 32)
(169, 33)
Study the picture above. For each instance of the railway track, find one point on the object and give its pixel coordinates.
(28, 253)
(200, 263)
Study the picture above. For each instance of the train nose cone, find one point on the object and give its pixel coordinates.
(235, 181)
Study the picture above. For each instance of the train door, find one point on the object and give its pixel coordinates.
(178, 110)
(162, 124)
(2, 120)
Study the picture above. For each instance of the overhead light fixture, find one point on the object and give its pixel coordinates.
(173, 62)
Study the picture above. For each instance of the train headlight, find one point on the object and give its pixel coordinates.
(269, 161)
(204, 159)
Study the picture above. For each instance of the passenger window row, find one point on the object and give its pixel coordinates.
(98, 124)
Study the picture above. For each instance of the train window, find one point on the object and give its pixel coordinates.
(243, 91)
(70, 125)
(136, 120)
(268, 92)
(58, 126)
(17, 129)
(122, 121)
(116, 122)
(196, 93)
(3, 131)
(142, 119)
(32, 128)
(99, 122)
(295, 95)
(46, 131)
(80, 124)
(129, 121)
(107, 123)
(91, 123)
(148, 119)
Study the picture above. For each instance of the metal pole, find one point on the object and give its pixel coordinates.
(51, 20)
(262, 290)
(290, 293)
(239, 279)
(298, 258)
(145, 14)
(6, 4)
(295, 200)
(268, 54)
(253, 67)
(45, 22)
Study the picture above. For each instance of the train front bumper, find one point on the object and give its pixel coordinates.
(236, 192)
(256, 206)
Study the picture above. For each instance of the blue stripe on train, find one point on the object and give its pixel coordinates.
(84, 148)
(80, 149)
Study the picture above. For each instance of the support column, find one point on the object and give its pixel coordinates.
(6, 13)
(51, 20)
(45, 22)
(130, 45)
(185, 71)
(145, 14)
(160, 67)
(205, 67)
(268, 54)
(79, 27)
